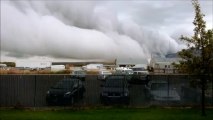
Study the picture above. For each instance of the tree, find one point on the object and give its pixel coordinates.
(198, 57)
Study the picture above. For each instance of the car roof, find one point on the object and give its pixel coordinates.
(158, 81)
(116, 77)
(70, 79)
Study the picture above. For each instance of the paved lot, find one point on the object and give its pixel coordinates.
(93, 90)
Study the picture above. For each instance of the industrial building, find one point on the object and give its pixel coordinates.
(164, 64)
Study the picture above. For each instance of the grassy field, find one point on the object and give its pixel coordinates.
(107, 114)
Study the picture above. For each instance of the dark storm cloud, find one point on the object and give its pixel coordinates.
(128, 31)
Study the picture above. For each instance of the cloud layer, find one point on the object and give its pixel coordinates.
(80, 30)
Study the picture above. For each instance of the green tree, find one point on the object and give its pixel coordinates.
(198, 57)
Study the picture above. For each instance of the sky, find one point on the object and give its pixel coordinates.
(69, 30)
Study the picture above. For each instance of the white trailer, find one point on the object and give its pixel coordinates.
(56, 68)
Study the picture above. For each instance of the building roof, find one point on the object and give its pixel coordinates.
(170, 60)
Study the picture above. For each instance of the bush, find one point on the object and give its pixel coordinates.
(92, 72)
(61, 72)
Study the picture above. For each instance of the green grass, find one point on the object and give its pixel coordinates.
(107, 114)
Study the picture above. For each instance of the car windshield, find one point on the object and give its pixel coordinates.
(138, 69)
(159, 86)
(116, 77)
(129, 71)
(106, 72)
(64, 84)
(141, 73)
(114, 82)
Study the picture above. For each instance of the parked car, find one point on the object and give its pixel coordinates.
(140, 77)
(115, 90)
(190, 94)
(65, 92)
(193, 95)
(103, 74)
(80, 74)
(125, 72)
(161, 91)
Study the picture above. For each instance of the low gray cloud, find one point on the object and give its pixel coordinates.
(128, 31)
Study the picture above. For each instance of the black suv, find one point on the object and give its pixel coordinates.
(115, 90)
(139, 78)
(65, 92)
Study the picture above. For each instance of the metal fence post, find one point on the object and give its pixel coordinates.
(212, 87)
(34, 92)
(167, 87)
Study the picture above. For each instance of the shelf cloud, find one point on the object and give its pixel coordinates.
(83, 30)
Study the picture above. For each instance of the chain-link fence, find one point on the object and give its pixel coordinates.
(162, 90)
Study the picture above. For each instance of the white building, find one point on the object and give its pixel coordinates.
(162, 64)
(33, 64)
(56, 68)
(3, 65)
